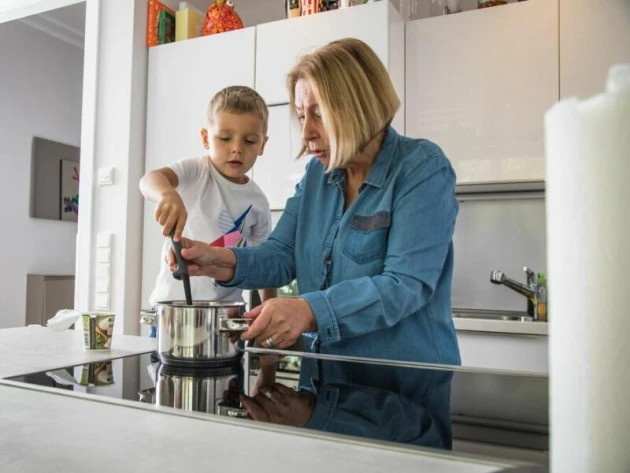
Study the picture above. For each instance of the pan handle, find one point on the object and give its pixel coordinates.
(147, 317)
(229, 411)
(227, 324)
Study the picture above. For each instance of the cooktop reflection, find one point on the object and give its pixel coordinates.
(427, 406)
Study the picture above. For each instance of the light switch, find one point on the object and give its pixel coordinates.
(102, 285)
(104, 240)
(102, 255)
(105, 176)
(102, 270)
(102, 301)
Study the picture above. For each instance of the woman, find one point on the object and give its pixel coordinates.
(368, 233)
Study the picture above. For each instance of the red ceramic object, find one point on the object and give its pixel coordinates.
(221, 17)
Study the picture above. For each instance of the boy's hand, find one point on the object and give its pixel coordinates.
(171, 212)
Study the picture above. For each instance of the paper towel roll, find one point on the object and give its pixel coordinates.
(588, 251)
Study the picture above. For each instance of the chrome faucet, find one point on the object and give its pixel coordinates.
(535, 291)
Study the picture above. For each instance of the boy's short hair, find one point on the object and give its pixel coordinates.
(239, 99)
(354, 91)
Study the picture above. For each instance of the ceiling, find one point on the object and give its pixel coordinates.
(66, 24)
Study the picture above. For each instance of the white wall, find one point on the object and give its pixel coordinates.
(256, 12)
(120, 138)
(40, 95)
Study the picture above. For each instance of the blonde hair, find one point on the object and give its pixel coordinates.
(238, 99)
(354, 92)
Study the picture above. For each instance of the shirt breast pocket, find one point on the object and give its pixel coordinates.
(367, 237)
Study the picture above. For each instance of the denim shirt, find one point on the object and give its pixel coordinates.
(378, 275)
(382, 402)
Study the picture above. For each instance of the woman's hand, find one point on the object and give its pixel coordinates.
(171, 213)
(267, 372)
(280, 322)
(280, 405)
(205, 260)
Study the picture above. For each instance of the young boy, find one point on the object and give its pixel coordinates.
(210, 198)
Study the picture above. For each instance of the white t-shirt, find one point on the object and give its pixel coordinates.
(220, 213)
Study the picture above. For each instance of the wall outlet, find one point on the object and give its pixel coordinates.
(102, 270)
(102, 285)
(103, 255)
(105, 176)
(104, 240)
(102, 301)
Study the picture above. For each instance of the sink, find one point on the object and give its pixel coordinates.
(487, 314)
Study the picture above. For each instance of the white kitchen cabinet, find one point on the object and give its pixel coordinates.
(279, 44)
(479, 83)
(182, 79)
(593, 37)
(277, 171)
(504, 351)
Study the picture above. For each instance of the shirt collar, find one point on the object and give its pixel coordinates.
(382, 163)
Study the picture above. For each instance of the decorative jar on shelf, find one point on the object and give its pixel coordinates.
(221, 17)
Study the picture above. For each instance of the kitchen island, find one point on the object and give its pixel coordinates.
(47, 427)
(35, 348)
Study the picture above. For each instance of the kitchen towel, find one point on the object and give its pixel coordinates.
(588, 248)
(63, 320)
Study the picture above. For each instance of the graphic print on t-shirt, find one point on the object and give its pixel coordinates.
(232, 230)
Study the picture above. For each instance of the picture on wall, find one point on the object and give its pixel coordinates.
(69, 185)
(54, 180)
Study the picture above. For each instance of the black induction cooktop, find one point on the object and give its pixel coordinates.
(423, 405)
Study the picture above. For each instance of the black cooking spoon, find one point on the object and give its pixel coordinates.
(181, 273)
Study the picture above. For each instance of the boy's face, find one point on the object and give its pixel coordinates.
(234, 142)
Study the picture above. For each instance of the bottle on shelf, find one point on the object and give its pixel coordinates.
(491, 3)
(293, 7)
(310, 7)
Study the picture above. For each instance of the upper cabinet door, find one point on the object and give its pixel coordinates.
(183, 77)
(277, 172)
(479, 84)
(279, 44)
(593, 37)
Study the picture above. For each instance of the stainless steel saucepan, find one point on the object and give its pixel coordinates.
(212, 391)
(202, 334)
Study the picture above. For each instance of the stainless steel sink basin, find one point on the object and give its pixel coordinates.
(511, 315)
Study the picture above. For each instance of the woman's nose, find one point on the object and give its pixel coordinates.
(309, 132)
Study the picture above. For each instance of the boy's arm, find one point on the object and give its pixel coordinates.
(155, 183)
(159, 186)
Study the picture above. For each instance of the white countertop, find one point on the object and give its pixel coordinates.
(44, 428)
(48, 429)
(500, 326)
(29, 349)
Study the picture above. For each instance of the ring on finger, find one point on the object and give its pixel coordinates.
(270, 343)
(268, 392)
